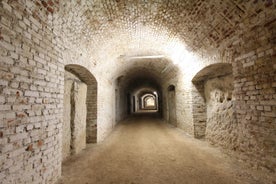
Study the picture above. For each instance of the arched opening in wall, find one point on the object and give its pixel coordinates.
(80, 110)
(149, 103)
(171, 105)
(212, 102)
(147, 100)
(140, 94)
(144, 72)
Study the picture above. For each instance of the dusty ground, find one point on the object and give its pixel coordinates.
(148, 151)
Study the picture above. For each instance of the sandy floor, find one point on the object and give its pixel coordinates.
(147, 151)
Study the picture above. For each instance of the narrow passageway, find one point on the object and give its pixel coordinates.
(145, 150)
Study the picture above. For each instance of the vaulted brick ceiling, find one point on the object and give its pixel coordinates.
(110, 29)
(199, 24)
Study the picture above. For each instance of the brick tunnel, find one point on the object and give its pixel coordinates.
(128, 91)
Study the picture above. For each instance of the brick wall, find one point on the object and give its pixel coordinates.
(39, 38)
(199, 109)
(254, 81)
(91, 113)
(31, 96)
(221, 125)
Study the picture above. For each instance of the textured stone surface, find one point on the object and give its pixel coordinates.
(221, 122)
(255, 101)
(91, 101)
(79, 138)
(66, 125)
(74, 116)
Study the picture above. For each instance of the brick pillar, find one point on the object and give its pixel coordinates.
(199, 109)
(91, 127)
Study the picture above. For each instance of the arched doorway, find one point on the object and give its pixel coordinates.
(212, 101)
(80, 110)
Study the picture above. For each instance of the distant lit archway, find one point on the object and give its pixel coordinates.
(149, 102)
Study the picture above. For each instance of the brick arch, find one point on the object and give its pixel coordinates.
(146, 97)
(84, 74)
(91, 120)
(213, 70)
(144, 94)
(199, 108)
(138, 96)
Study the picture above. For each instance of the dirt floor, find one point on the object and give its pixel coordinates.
(148, 151)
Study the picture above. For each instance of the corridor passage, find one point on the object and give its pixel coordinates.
(149, 151)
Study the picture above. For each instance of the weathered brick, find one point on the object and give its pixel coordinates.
(7, 6)
(7, 45)
(31, 93)
(39, 37)
(2, 100)
(29, 127)
(21, 107)
(19, 129)
(267, 108)
(5, 107)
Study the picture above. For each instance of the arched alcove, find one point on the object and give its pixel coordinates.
(212, 101)
(80, 109)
